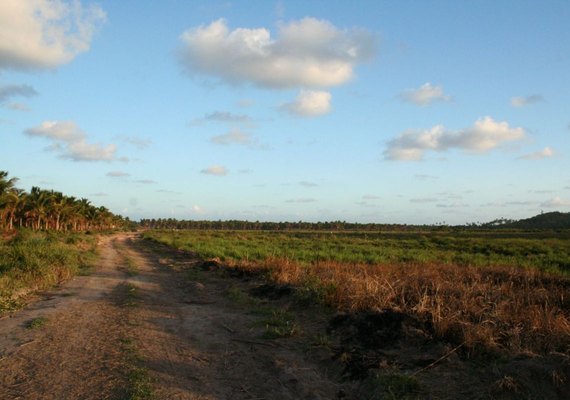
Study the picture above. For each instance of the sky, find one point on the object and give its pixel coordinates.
(371, 111)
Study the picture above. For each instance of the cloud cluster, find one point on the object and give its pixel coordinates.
(521, 101)
(9, 91)
(547, 152)
(486, 134)
(117, 174)
(306, 53)
(216, 170)
(222, 116)
(137, 142)
(234, 136)
(423, 200)
(310, 103)
(301, 200)
(425, 177)
(71, 142)
(308, 184)
(555, 202)
(43, 34)
(425, 95)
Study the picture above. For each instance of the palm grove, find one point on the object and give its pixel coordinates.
(42, 209)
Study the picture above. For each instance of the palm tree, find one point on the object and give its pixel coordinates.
(48, 209)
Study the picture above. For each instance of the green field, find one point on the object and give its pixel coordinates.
(547, 251)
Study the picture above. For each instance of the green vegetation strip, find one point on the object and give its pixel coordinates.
(546, 251)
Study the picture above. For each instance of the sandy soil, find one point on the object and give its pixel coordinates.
(189, 337)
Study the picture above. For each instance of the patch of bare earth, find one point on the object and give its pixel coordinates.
(198, 345)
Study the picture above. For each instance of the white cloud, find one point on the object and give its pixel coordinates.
(308, 184)
(18, 107)
(216, 170)
(547, 152)
(423, 200)
(42, 34)
(555, 202)
(233, 137)
(117, 174)
(305, 53)
(197, 209)
(452, 205)
(485, 135)
(310, 103)
(137, 142)
(371, 197)
(244, 103)
(222, 116)
(521, 101)
(9, 91)
(425, 177)
(301, 200)
(71, 142)
(425, 95)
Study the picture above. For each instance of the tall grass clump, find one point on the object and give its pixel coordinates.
(32, 261)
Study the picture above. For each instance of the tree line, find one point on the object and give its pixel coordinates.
(172, 223)
(41, 209)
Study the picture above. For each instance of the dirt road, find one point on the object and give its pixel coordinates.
(143, 321)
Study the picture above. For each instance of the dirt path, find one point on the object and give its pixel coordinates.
(143, 309)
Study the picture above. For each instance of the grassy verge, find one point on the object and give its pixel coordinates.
(493, 308)
(33, 261)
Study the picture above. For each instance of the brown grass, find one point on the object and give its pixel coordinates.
(490, 308)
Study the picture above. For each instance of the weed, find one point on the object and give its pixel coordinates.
(131, 297)
(507, 384)
(132, 268)
(36, 323)
(241, 298)
(395, 387)
(278, 324)
(8, 304)
(139, 379)
(321, 340)
(140, 384)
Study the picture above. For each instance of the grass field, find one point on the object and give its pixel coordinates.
(546, 251)
(32, 261)
(500, 291)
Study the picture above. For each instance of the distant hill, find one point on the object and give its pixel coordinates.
(551, 220)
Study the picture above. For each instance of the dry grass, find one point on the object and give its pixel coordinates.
(490, 308)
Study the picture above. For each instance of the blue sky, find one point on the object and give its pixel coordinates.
(370, 111)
